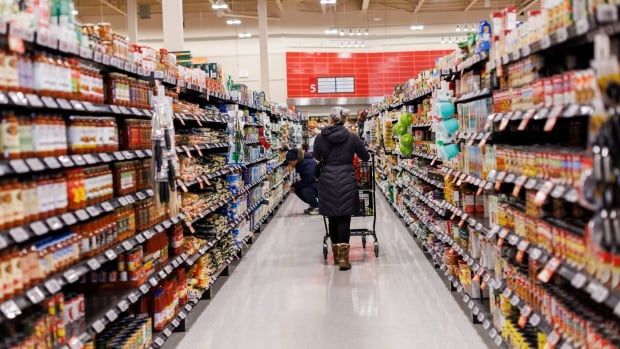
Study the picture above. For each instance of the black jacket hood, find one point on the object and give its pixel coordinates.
(335, 134)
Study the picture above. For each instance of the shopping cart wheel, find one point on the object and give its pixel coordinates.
(363, 241)
(376, 249)
(325, 251)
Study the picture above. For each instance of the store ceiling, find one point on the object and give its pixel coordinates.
(276, 8)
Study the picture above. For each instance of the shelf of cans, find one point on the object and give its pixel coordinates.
(533, 180)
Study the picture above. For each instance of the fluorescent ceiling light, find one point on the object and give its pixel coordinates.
(331, 31)
(245, 35)
(328, 2)
(219, 5)
(417, 27)
(233, 21)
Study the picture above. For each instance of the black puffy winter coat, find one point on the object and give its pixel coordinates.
(337, 186)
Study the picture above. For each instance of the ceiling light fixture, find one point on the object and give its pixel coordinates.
(363, 43)
(366, 33)
(417, 27)
(245, 35)
(341, 32)
(443, 41)
(458, 28)
(75, 12)
(328, 2)
(359, 32)
(350, 32)
(331, 31)
(341, 44)
(219, 5)
(233, 21)
(465, 27)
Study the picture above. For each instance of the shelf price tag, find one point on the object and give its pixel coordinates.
(522, 248)
(578, 280)
(552, 118)
(93, 264)
(35, 295)
(10, 309)
(52, 286)
(561, 35)
(598, 292)
(547, 273)
(541, 195)
(502, 236)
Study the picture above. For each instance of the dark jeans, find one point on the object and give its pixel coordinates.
(308, 195)
(339, 229)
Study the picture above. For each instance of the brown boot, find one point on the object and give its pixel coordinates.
(335, 252)
(343, 257)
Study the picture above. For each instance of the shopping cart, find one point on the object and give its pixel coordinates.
(365, 176)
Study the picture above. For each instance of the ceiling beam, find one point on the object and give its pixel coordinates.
(279, 3)
(365, 4)
(471, 4)
(113, 7)
(418, 6)
(248, 16)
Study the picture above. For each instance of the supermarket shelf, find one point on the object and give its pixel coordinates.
(47, 40)
(159, 338)
(51, 163)
(501, 121)
(187, 149)
(565, 37)
(473, 62)
(472, 96)
(208, 117)
(408, 100)
(12, 308)
(41, 228)
(578, 279)
(489, 278)
(277, 184)
(228, 198)
(427, 156)
(107, 316)
(260, 159)
(204, 179)
(195, 92)
(32, 101)
(422, 125)
(423, 176)
(476, 309)
(498, 178)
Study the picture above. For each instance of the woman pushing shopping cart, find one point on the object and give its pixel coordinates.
(339, 196)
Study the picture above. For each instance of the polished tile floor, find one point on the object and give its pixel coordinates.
(283, 296)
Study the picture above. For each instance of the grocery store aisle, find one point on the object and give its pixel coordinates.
(282, 295)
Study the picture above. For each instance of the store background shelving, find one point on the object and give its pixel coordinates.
(101, 288)
(473, 216)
